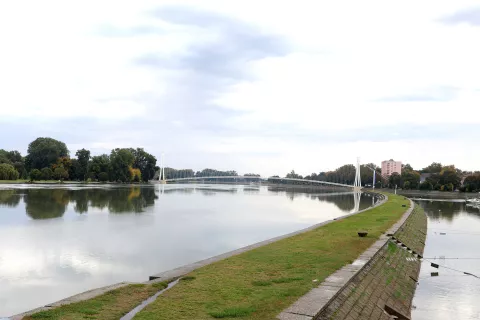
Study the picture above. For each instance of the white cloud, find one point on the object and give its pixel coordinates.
(350, 69)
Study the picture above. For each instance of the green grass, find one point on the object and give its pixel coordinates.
(234, 312)
(14, 181)
(260, 283)
(109, 306)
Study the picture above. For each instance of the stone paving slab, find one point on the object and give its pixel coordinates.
(309, 302)
(291, 316)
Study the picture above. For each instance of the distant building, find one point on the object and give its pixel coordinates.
(391, 166)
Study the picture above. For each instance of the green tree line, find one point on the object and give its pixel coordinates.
(48, 159)
(437, 177)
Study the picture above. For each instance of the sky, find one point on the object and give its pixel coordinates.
(253, 86)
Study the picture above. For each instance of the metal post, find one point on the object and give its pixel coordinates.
(373, 187)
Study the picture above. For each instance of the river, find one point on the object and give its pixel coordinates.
(57, 241)
(452, 243)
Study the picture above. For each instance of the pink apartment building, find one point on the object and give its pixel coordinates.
(391, 166)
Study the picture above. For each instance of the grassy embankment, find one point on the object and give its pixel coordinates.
(260, 283)
(109, 306)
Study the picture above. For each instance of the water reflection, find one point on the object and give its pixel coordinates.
(9, 198)
(46, 203)
(452, 237)
(50, 203)
(69, 239)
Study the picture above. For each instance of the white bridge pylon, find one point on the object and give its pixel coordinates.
(357, 185)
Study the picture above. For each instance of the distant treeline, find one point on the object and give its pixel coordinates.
(48, 159)
(433, 177)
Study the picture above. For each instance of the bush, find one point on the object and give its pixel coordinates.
(426, 185)
(8, 172)
(135, 174)
(35, 175)
(103, 176)
(60, 174)
(47, 173)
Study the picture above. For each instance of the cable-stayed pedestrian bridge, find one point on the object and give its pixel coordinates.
(254, 179)
(161, 178)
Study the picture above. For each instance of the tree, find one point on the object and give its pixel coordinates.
(35, 175)
(410, 176)
(366, 173)
(426, 185)
(103, 176)
(47, 173)
(73, 172)
(449, 175)
(395, 180)
(4, 157)
(63, 162)
(406, 185)
(449, 187)
(435, 167)
(344, 174)
(121, 161)
(44, 152)
(99, 164)
(145, 162)
(83, 157)
(471, 183)
(293, 175)
(60, 173)
(8, 172)
(15, 159)
(135, 174)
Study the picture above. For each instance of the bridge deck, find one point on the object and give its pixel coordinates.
(260, 178)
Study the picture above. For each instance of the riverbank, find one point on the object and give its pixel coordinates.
(434, 194)
(387, 281)
(260, 283)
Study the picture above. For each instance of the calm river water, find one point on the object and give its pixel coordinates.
(453, 240)
(59, 241)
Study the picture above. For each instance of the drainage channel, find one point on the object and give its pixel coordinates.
(146, 302)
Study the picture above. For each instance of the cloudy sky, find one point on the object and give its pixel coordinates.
(256, 86)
